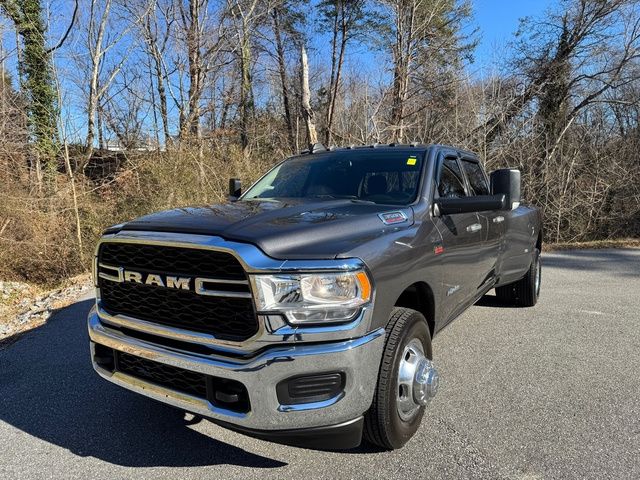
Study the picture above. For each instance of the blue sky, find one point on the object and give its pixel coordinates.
(497, 21)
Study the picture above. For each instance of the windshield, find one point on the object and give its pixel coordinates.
(375, 176)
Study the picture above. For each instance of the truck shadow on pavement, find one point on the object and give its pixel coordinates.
(48, 390)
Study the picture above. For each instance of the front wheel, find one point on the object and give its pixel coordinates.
(526, 291)
(406, 383)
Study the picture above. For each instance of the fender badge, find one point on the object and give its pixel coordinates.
(391, 218)
(453, 290)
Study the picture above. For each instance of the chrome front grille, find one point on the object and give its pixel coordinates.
(224, 309)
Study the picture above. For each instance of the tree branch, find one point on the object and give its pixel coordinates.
(66, 33)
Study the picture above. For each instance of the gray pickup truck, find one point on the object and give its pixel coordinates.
(303, 310)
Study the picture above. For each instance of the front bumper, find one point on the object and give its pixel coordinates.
(358, 358)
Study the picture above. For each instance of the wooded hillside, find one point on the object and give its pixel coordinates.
(113, 108)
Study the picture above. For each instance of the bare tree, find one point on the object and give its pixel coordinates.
(576, 55)
(347, 20)
(203, 32)
(100, 41)
(276, 15)
(424, 34)
(247, 16)
(156, 27)
(307, 111)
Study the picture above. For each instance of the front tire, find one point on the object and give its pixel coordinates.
(526, 291)
(399, 402)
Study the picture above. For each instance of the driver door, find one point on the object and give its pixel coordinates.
(462, 237)
(492, 222)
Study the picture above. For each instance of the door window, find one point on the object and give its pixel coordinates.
(475, 175)
(450, 183)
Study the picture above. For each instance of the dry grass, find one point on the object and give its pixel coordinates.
(595, 244)
(38, 237)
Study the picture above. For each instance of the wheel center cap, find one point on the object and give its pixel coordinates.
(425, 382)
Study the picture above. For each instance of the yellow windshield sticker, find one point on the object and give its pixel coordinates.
(412, 161)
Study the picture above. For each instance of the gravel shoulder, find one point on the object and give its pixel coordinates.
(546, 392)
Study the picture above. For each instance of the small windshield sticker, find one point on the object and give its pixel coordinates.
(412, 160)
(391, 218)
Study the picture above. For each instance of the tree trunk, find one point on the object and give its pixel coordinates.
(162, 98)
(332, 78)
(190, 120)
(195, 70)
(336, 69)
(34, 66)
(307, 112)
(155, 55)
(100, 127)
(246, 96)
(227, 100)
(283, 78)
(398, 101)
(96, 52)
(402, 54)
(92, 108)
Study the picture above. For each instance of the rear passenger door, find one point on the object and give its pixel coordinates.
(462, 236)
(492, 221)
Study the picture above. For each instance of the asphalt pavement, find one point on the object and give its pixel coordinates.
(545, 392)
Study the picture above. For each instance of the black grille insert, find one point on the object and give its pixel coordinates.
(172, 260)
(227, 318)
(168, 376)
(221, 392)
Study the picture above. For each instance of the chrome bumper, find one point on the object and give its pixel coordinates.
(358, 358)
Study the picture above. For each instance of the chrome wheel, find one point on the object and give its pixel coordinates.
(417, 380)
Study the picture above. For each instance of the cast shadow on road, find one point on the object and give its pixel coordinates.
(493, 302)
(48, 390)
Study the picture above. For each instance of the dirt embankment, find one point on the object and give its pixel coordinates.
(24, 306)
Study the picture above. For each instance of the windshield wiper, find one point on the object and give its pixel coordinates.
(353, 198)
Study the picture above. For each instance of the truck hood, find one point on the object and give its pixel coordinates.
(296, 228)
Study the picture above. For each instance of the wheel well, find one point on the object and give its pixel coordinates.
(539, 242)
(419, 296)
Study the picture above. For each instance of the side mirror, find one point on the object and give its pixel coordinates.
(479, 203)
(507, 181)
(235, 189)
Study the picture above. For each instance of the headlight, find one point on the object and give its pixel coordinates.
(313, 297)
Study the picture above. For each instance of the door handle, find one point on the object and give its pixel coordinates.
(476, 227)
(498, 219)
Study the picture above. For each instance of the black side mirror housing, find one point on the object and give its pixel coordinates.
(235, 189)
(478, 203)
(507, 181)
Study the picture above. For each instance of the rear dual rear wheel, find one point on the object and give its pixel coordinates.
(526, 291)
